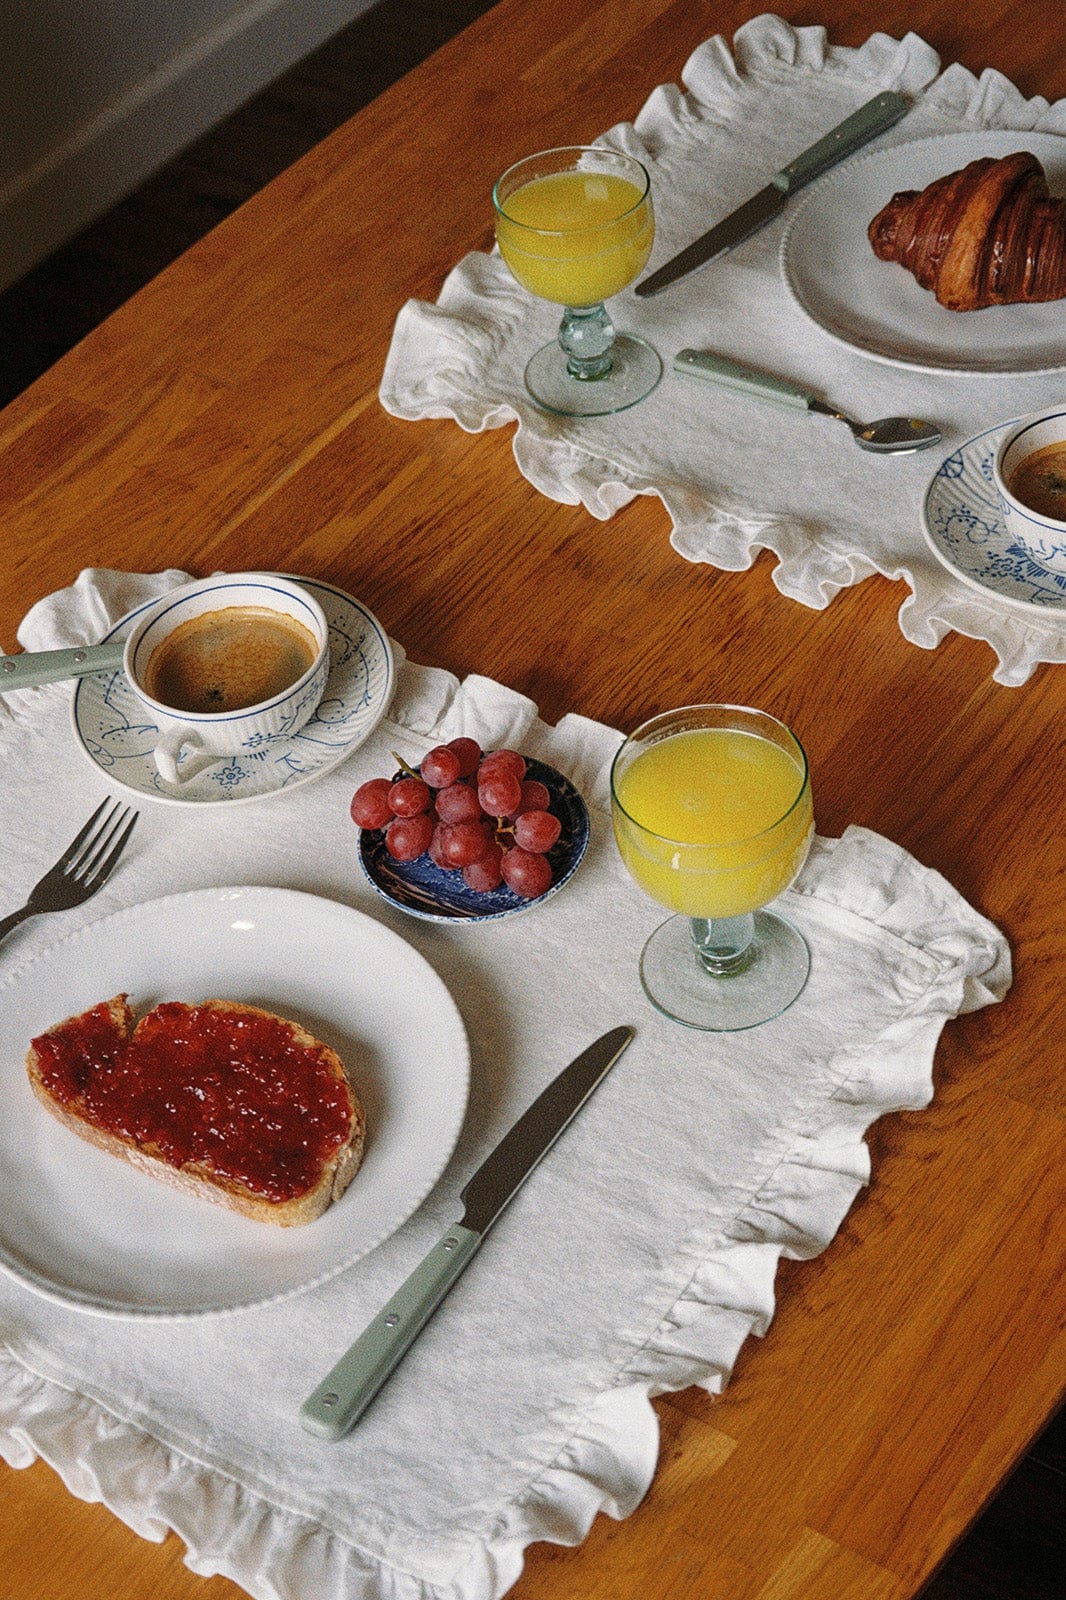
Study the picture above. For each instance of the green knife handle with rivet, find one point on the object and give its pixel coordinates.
(745, 380)
(858, 129)
(855, 131)
(344, 1394)
(32, 668)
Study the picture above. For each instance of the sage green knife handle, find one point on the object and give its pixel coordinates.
(855, 131)
(731, 375)
(33, 668)
(343, 1396)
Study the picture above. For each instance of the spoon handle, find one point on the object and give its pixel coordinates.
(34, 667)
(731, 375)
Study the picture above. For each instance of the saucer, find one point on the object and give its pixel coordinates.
(964, 527)
(422, 889)
(109, 721)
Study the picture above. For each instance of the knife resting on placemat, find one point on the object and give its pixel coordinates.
(850, 135)
(344, 1394)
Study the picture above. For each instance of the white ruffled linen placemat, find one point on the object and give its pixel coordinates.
(736, 475)
(636, 1261)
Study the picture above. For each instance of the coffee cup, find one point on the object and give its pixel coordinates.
(1029, 472)
(227, 664)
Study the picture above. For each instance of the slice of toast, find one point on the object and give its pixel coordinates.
(221, 1100)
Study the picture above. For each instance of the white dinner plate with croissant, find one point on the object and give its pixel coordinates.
(84, 1228)
(878, 307)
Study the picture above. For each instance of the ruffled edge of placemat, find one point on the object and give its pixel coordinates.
(431, 370)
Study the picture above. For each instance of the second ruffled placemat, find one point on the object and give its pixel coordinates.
(736, 476)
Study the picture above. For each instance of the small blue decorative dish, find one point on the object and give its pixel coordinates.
(436, 894)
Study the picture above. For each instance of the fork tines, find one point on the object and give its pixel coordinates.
(91, 856)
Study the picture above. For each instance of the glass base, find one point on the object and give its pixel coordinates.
(678, 985)
(635, 370)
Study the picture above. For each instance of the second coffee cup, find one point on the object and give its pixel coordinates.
(226, 664)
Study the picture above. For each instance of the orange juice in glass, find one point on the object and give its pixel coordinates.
(575, 226)
(713, 818)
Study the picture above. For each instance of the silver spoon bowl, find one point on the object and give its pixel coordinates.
(888, 436)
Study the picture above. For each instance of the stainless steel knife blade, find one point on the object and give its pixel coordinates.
(347, 1390)
(850, 135)
(502, 1173)
(739, 225)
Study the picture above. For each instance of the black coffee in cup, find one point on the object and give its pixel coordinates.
(1039, 481)
(228, 660)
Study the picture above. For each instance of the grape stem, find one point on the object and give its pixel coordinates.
(400, 762)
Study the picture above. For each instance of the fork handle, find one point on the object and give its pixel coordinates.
(11, 922)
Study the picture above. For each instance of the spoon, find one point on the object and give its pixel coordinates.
(887, 436)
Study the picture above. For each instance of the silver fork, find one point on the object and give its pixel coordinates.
(84, 866)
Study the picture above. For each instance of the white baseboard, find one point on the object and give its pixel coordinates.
(101, 160)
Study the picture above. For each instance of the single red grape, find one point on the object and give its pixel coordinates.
(435, 852)
(462, 843)
(537, 830)
(406, 838)
(527, 874)
(485, 875)
(469, 754)
(507, 760)
(440, 767)
(370, 804)
(535, 796)
(409, 796)
(500, 792)
(458, 803)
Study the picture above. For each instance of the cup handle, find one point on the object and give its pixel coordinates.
(168, 748)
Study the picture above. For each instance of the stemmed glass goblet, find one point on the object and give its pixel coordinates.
(713, 818)
(575, 225)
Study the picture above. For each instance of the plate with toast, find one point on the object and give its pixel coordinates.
(294, 1060)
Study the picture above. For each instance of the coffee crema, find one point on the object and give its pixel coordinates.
(229, 659)
(1039, 481)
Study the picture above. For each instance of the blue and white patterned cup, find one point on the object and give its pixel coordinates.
(188, 741)
(1042, 536)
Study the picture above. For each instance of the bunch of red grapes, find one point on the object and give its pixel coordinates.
(474, 813)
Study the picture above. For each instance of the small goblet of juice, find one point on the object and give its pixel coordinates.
(713, 818)
(575, 226)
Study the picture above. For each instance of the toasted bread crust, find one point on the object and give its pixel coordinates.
(192, 1178)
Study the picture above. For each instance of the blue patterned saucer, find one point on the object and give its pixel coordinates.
(965, 529)
(110, 726)
(437, 895)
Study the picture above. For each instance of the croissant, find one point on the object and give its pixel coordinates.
(988, 235)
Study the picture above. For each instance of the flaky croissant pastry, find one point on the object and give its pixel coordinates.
(988, 235)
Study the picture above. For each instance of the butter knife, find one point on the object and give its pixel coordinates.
(344, 1394)
(855, 131)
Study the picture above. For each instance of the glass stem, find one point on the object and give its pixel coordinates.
(723, 944)
(586, 333)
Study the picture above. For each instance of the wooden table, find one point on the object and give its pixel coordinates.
(227, 416)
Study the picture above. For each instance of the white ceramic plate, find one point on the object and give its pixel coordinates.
(965, 529)
(110, 726)
(877, 306)
(82, 1227)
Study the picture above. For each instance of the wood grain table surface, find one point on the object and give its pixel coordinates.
(227, 417)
